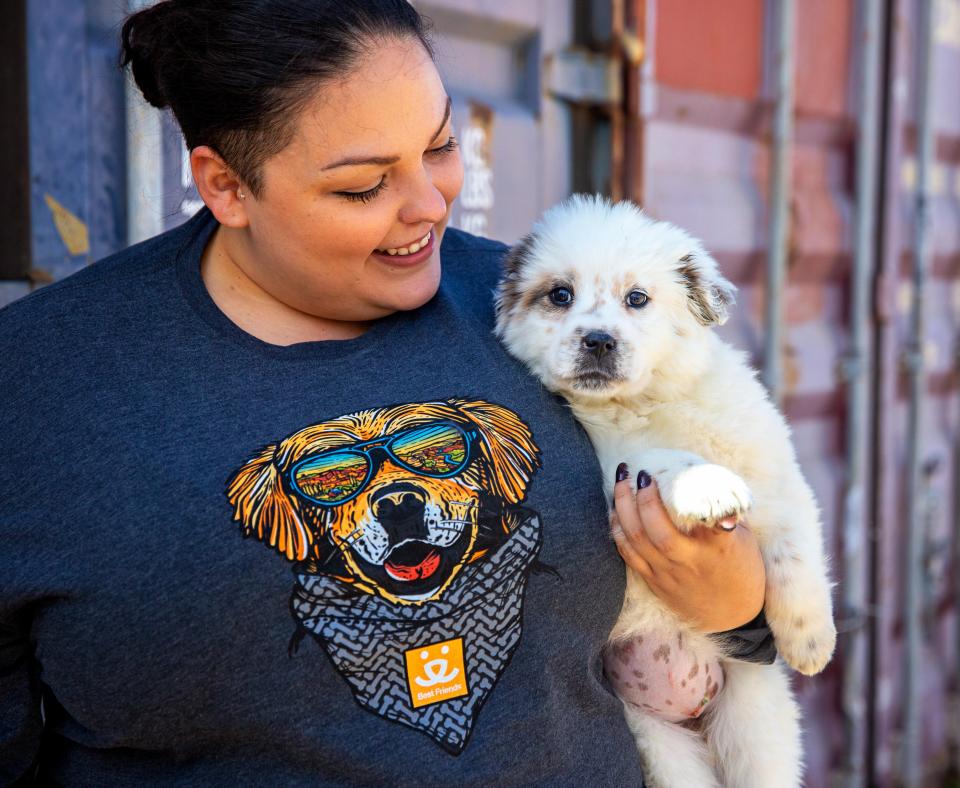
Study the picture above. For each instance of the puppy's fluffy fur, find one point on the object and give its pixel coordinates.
(614, 311)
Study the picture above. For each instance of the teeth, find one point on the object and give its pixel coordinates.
(412, 249)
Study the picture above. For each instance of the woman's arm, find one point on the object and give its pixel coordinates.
(712, 577)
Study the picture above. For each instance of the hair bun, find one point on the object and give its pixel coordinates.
(142, 45)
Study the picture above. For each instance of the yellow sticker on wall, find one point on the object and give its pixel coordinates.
(73, 231)
(436, 672)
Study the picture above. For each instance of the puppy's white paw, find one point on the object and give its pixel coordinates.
(701, 494)
(807, 647)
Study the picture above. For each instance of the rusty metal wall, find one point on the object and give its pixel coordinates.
(939, 424)
(704, 122)
(698, 153)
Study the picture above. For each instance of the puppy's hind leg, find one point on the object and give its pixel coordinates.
(672, 756)
(753, 728)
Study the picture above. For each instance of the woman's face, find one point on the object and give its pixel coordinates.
(371, 171)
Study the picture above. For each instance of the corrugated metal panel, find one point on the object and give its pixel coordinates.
(939, 430)
(76, 133)
(698, 148)
(703, 127)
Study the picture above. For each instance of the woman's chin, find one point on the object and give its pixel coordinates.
(415, 292)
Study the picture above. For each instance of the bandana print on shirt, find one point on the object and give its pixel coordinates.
(411, 550)
(369, 640)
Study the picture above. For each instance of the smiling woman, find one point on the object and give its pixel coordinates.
(426, 578)
(351, 213)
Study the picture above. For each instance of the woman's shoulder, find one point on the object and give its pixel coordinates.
(472, 264)
(91, 311)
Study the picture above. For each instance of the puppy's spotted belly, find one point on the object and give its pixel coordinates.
(663, 677)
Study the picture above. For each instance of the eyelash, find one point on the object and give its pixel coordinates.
(448, 147)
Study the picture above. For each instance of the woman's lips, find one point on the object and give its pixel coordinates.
(405, 261)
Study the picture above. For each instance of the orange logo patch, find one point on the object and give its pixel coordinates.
(436, 672)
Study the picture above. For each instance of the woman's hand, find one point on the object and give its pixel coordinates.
(713, 578)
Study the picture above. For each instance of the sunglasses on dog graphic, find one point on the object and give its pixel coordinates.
(335, 476)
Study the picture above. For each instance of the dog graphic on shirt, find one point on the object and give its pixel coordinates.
(411, 550)
(394, 500)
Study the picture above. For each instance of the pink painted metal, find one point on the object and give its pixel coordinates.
(697, 153)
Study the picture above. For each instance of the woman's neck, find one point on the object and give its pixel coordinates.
(256, 311)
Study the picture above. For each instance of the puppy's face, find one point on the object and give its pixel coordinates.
(395, 494)
(600, 299)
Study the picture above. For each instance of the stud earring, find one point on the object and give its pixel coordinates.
(240, 194)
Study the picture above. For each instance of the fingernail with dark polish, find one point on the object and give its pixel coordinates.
(643, 480)
(622, 472)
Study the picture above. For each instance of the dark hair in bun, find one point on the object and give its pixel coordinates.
(235, 72)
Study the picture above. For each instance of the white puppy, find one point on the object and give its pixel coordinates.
(613, 310)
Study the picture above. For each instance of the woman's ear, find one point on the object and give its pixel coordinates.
(219, 187)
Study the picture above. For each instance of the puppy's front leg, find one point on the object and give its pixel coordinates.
(694, 491)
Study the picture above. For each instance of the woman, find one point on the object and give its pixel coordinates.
(292, 365)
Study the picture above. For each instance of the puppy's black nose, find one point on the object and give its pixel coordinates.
(599, 343)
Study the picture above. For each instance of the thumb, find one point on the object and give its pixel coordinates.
(654, 516)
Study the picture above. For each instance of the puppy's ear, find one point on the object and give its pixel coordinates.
(506, 446)
(509, 292)
(264, 510)
(709, 295)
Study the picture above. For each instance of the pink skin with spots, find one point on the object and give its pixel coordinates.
(662, 677)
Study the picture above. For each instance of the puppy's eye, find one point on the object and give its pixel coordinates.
(561, 296)
(637, 299)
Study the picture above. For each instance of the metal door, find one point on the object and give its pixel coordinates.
(514, 138)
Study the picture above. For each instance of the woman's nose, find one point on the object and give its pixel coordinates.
(425, 202)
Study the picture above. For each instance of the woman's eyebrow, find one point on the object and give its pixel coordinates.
(383, 161)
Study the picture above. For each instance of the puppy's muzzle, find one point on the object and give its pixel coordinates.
(598, 360)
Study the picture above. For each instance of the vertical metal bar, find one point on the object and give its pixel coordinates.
(638, 85)
(955, 706)
(144, 160)
(914, 362)
(857, 368)
(780, 185)
(14, 145)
